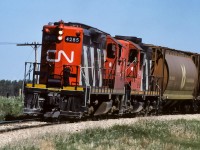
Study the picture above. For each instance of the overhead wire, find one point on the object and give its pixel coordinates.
(8, 43)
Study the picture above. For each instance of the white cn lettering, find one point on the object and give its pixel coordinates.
(61, 52)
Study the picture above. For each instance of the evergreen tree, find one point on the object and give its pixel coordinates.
(10, 88)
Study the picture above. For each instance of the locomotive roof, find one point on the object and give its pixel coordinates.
(133, 39)
(84, 26)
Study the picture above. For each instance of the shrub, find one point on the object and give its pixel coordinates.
(11, 106)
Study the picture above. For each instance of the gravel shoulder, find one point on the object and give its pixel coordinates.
(20, 124)
(15, 136)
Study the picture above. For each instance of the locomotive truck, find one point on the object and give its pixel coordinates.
(86, 72)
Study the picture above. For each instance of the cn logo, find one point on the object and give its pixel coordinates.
(61, 52)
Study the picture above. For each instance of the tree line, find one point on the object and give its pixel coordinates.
(10, 88)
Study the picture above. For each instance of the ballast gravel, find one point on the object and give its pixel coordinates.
(20, 124)
(15, 136)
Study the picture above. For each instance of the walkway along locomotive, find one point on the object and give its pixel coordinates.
(87, 72)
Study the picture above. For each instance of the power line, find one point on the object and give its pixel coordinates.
(34, 45)
(7, 43)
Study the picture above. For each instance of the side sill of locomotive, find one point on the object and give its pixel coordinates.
(70, 114)
(31, 111)
(64, 114)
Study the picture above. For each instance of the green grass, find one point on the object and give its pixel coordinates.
(156, 135)
(10, 107)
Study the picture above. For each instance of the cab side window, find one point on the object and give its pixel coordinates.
(111, 50)
(132, 56)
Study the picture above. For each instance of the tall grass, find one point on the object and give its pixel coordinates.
(11, 106)
(156, 135)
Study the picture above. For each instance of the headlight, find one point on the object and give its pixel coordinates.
(60, 38)
(60, 32)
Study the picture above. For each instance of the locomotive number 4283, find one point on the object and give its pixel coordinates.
(72, 39)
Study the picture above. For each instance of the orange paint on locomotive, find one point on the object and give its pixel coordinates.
(111, 56)
(62, 53)
(69, 53)
(131, 55)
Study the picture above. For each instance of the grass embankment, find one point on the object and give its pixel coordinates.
(10, 107)
(156, 135)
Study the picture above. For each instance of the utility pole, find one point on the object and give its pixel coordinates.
(34, 45)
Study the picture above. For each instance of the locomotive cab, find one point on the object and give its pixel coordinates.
(131, 56)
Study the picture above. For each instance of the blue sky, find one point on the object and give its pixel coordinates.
(170, 23)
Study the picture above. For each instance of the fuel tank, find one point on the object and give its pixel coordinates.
(179, 75)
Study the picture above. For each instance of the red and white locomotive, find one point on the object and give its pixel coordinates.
(87, 72)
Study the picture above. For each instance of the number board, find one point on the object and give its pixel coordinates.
(72, 39)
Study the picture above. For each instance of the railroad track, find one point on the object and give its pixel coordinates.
(7, 126)
(18, 121)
